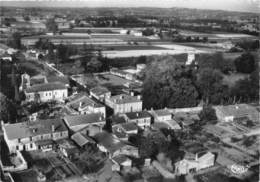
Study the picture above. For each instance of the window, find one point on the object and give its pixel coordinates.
(31, 145)
(17, 147)
(30, 138)
(60, 134)
(19, 140)
(41, 137)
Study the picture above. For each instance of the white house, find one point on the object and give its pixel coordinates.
(34, 134)
(100, 93)
(141, 118)
(46, 92)
(201, 161)
(124, 103)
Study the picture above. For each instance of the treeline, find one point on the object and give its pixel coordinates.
(169, 84)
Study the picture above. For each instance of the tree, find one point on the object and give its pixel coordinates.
(94, 65)
(15, 40)
(208, 114)
(7, 109)
(14, 84)
(51, 25)
(167, 84)
(214, 61)
(209, 81)
(245, 63)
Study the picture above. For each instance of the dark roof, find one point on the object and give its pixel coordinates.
(99, 90)
(137, 115)
(109, 141)
(81, 139)
(119, 159)
(33, 128)
(46, 87)
(74, 120)
(129, 126)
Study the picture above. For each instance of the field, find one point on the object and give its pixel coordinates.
(163, 49)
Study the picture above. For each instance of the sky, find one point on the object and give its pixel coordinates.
(231, 5)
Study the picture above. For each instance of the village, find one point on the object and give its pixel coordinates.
(97, 122)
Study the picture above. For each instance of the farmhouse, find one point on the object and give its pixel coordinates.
(124, 103)
(34, 134)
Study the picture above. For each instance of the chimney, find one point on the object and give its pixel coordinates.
(121, 96)
(132, 93)
(80, 104)
(137, 114)
(52, 128)
(139, 97)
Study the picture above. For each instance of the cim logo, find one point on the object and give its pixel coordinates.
(239, 169)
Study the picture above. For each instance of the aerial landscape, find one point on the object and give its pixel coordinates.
(129, 91)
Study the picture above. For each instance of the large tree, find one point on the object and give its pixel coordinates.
(51, 25)
(245, 63)
(209, 82)
(166, 84)
(15, 40)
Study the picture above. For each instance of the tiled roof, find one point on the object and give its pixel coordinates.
(33, 128)
(61, 79)
(46, 87)
(84, 100)
(137, 115)
(74, 120)
(109, 141)
(124, 98)
(99, 90)
(81, 139)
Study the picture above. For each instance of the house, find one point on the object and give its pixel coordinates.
(90, 123)
(202, 161)
(110, 144)
(141, 118)
(122, 73)
(124, 130)
(166, 117)
(232, 112)
(6, 57)
(68, 148)
(100, 93)
(46, 92)
(81, 140)
(124, 103)
(82, 104)
(120, 162)
(34, 134)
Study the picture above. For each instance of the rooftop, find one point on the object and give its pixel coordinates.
(83, 100)
(162, 112)
(109, 141)
(137, 115)
(33, 128)
(124, 98)
(46, 87)
(99, 90)
(74, 120)
(81, 139)
(239, 110)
